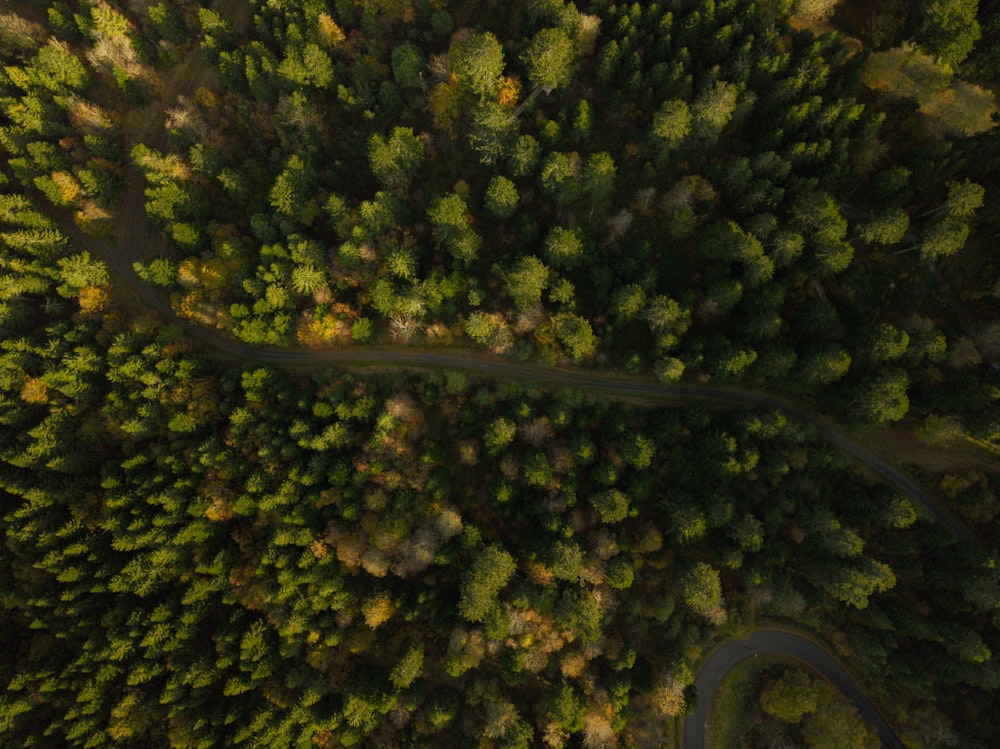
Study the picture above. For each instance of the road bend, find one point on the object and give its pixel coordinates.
(761, 641)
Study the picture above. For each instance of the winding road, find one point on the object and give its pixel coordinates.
(615, 386)
(786, 643)
(118, 258)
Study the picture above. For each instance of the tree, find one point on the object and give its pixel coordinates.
(612, 505)
(308, 66)
(549, 58)
(835, 724)
(816, 10)
(478, 63)
(407, 64)
(292, 187)
(701, 588)
(628, 301)
(668, 370)
(825, 365)
(950, 29)
(887, 344)
(493, 129)
(599, 173)
(450, 217)
(664, 314)
(672, 122)
(81, 270)
(566, 708)
(943, 238)
(885, 226)
(19, 34)
(394, 159)
(964, 198)
(499, 434)
(524, 156)
(329, 33)
(563, 247)
(378, 610)
(479, 327)
(308, 279)
(882, 397)
(712, 110)
(56, 68)
(490, 572)
(526, 281)
(408, 668)
(559, 176)
(566, 561)
(855, 582)
(575, 334)
(667, 696)
(794, 694)
(619, 573)
(501, 197)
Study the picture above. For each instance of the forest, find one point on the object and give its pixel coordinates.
(233, 515)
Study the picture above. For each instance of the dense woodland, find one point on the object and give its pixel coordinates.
(206, 550)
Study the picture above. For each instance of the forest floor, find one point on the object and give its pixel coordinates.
(148, 126)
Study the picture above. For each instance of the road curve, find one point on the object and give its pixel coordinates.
(780, 641)
(118, 260)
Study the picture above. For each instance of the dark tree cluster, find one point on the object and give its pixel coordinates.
(210, 544)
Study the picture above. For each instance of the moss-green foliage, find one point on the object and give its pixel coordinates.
(750, 165)
(198, 552)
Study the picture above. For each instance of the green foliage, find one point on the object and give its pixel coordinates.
(407, 65)
(549, 58)
(882, 398)
(711, 111)
(526, 281)
(950, 29)
(394, 159)
(291, 188)
(564, 247)
(450, 218)
(837, 725)
(168, 21)
(362, 330)
(672, 122)
(501, 197)
(478, 63)
(575, 334)
(524, 156)
(499, 434)
(490, 572)
(700, 587)
(56, 68)
(885, 226)
(612, 505)
(704, 189)
(409, 668)
(494, 128)
(794, 694)
(620, 574)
